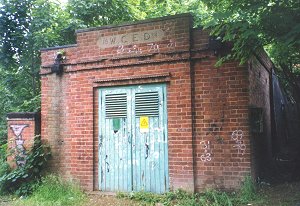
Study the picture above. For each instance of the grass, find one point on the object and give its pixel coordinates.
(245, 196)
(53, 191)
(181, 198)
(248, 191)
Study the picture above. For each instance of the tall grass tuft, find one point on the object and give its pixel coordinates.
(54, 191)
(248, 190)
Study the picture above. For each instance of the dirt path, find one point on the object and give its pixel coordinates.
(5, 201)
(286, 194)
(108, 200)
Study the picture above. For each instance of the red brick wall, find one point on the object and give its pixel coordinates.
(69, 102)
(203, 103)
(220, 108)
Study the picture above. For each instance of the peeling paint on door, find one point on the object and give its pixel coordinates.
(133, 155)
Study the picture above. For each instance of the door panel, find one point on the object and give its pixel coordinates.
(115, 141)
(150, 149)
(133, 155)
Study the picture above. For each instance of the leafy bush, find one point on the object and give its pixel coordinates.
(4, 167)
(52, 190)
(23, 179)
(3, 148)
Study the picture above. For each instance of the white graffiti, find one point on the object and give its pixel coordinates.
(237, 136)
(21, 152)
(171, 44)
(132, 50)
(153, 47)
(135, 50)
(206, 156)
(120, 50)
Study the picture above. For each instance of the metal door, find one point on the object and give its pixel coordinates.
(133, 146)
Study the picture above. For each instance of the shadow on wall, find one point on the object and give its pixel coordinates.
(286, 147)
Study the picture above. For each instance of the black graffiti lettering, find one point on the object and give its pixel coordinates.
(123, 40)
(113, 40)
(146, 36)
(135, 37)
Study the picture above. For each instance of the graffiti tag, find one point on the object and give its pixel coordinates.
(21, 151)
(237, 136)
(206, 156)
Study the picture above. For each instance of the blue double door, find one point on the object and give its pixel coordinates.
(133, 140)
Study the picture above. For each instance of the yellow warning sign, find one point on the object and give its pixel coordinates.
(144, 123)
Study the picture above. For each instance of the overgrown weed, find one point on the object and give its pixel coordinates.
(54, 191)
(248, 190)
(210, 197)
(21, 181)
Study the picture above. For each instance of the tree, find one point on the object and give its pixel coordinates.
(253, 24)
(144, 9)
(25, 27)
(92, 13)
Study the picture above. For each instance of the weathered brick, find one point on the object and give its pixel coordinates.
(206, 106)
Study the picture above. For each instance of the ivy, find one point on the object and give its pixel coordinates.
(22, 180)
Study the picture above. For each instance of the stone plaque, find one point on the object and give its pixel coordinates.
(130, 38)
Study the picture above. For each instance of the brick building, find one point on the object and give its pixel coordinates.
(141, 106)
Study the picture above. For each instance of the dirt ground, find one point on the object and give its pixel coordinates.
(108, 200)
(5, 201)
(284, 194)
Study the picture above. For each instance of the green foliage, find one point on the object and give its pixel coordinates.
(252, 25)
(22, 180)
(248, 191)
(93, 13)
(52, 190)
(210, 197)
(149, 198)
(181, 198)
(3, 152)
(143, 9)
(215, 198)
(25, 27)
(4, 167)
